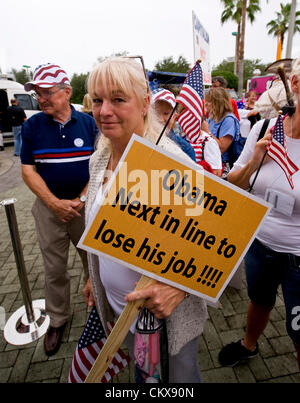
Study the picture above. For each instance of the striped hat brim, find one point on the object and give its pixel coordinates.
(162, 94)
(47, 76)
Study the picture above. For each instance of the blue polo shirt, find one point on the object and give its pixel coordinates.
(60, 152)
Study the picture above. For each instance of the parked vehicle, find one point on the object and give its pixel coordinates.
(260, 83)
(11, 89)
(232, 93)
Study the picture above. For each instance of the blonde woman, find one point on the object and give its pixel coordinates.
(87, 105)
(222, 124)
(273, 259)
(121, 107)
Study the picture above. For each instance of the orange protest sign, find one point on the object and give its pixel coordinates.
(169, 221)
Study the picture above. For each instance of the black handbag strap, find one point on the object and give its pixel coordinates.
(263, 129)
(261, 135)
(203, 146)
(219, 128)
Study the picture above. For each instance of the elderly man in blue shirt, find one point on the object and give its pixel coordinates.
(56, 146)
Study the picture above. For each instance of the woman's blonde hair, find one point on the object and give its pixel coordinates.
(295, 72)
(220, 102)
(126, 75)
(296, 68)
(87, 104)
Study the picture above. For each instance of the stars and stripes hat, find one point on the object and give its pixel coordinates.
(160, 94)
(46, 76)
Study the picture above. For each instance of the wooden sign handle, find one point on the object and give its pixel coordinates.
(118, 334)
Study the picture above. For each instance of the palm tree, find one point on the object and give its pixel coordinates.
(233, 11)
(237, 10)
(280, 25)
(241, 48)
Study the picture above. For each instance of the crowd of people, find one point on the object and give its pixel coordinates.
(66, 159)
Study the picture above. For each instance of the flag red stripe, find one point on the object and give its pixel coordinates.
(287, 174)
(47, 73)
(71, 377)
(88, 365)
(79, 372)
(77, 154)
(51, 66)
(92, 349)
(190, 126)
(278, 149)
(51, 83)
(283, 160)
(187, 119)
(186, 101)
(278, 158)
(192, 98)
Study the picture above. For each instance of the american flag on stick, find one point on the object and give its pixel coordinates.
(191, 98)
(278, 152)
(90, 343)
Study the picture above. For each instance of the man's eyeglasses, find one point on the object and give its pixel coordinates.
(45, 94)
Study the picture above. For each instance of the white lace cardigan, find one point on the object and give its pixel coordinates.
(187, 321)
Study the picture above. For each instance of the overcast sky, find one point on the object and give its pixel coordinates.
(74, 33)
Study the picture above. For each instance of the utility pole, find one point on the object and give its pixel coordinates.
(291, 29)
(29, 75)
(236, 51)
(241, 50)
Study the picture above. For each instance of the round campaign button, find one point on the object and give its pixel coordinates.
(78, 142)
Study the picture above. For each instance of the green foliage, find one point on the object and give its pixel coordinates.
(21, 76)
(226, 68)
(233, 10)
(78, 83)
(169, 64)
(225, 65)
(251, 65)
(232, 80)
(280, 25)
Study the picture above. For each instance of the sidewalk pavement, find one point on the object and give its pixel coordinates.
(276, 362)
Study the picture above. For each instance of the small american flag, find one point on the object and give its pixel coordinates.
(90, 343)
(191, 97)
(241, 104)
(278, 152)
